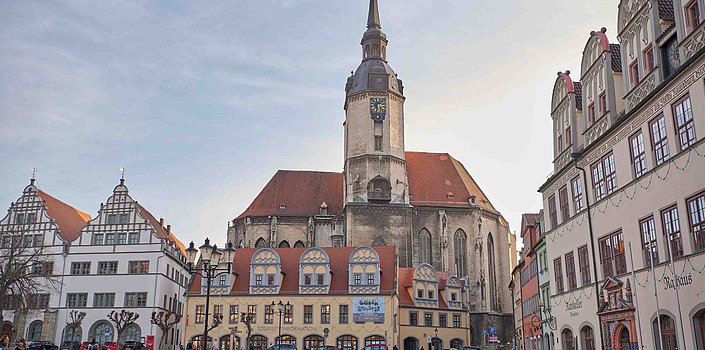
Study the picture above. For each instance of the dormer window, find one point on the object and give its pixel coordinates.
(258, 280)
(692, 14)
(363, 260)
(370, 278)
(430, 294)
(319, 279)
(314, 271)
(426, 285)
(419, 293)
(453, 296)
(265, 272)
(307, 279)
(358, 278)
(270, 279)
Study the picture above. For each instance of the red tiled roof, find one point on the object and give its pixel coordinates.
(69, 219)
(298, 193)
(406, 280)
(529, 219)
(339, 258)
(578, 88)
(160, 231)
(616, 58)
(665, 10)
(437, 179)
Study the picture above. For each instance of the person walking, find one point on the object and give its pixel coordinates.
(21, 345)
(4, 343)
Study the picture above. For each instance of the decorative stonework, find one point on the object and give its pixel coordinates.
(563, 159)
(627, 11)
(693, 43)
(643, 89)
(597, 129)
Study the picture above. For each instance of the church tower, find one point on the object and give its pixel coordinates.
(375, 166)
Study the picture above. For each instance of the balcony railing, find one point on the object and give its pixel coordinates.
(379, 196)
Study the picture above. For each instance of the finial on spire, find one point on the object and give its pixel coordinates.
(373, 16)
(34, 172)
(122, 175)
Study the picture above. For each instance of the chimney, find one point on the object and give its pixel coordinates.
(168, 229)
(161, 222)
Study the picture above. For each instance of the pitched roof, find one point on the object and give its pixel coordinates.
(298, 193)
(290, 257)
(578, 86)
(616, 58)
(405, 281)
(69, 219)
(159, 230)
(529, 219)
(665, 10)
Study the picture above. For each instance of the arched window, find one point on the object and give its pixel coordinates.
(456, 344)
(588, 339)
(411, 343)
(347, 342)
(132, 333)
(363, 271)
(284, 244)
(424, 247)
(379, 190)
(494, 305)
(102, 331)
(265, 272)
(313, 342)
(261, 243)
(73, 333)
(699, 326)
(196, 342)
(460, 247)
(668, 333)
(286, 339)
(436, 343)
(379, 241)
(299, 244)
(34, 332)
(224, 342)
(374, 340)
(257, 342)
(314, 271)
(567, 336)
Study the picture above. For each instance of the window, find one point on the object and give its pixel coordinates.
(223, 280)
(591, 114)
(38, 240)
(122, 238)
(648, 240)
(98, 238)
(200, 313)
(234, 312)
(378, 143)
(107, 267)
(453, 296)
(456, 321)
(268, 313)
(39, 301)
(139, 267)
(668, 332)
(672, 229)
(134, 238)
(430, 294)
(570, 271)
(442, 320)
(424, 247)
(428, 319)
(603, 104)
(692, 14)
(136, 299)
(270, 279)
(634, 73)
(218, 311)
(258, 279)
(604, 177)
(563, 199)
(358, 278)
(559, 143)
(648, 59)
(577, 191)
(612, 255)
(325, 314)
(112, 219)
(636, 143)
(659, 139)
(558, 271)
(307, 279)
(123, 218)
(288, 314)
(76, 299)
(319, 279)
(696, 211)
(252, 313)
(413, 318)
(568, 138)
(584, 264)
(110, 238)
(308, 314)
(552, 211)
(81, 268)
(343, 314)
(683, 118)
(31, 218)
(104, 300)
(419, 293)
(370, 278)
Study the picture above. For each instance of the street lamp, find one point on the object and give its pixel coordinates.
(211, 266)
(281, 309)
(435, 341)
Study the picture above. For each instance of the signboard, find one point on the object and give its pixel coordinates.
(484, 332)
(108, 330)
(493, 330)
(150, 342)
(493, 339)
(368, 310)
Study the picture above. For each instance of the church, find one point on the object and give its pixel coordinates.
(427, 205)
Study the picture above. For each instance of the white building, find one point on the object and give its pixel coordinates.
(124, 258)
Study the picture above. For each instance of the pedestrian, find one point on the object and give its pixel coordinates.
(4, 342)
(189, 346)
(395, 347)
(21, 345)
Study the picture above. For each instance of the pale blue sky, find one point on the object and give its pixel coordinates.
(202, 101)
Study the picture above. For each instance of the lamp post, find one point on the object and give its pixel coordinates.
(435, 340)
(281, 310)
(213, 263)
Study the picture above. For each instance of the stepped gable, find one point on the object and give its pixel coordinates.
(298, 193)
(69, 219)
(438, 179)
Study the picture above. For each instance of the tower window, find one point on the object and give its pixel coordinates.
(378, 143)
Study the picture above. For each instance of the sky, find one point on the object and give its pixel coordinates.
(201, 102)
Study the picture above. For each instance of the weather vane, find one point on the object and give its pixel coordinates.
(34, 172)
(122, 173)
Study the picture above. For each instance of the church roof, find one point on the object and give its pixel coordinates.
(69, 219)
(435, 179)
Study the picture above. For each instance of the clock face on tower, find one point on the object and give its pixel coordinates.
(378, 108)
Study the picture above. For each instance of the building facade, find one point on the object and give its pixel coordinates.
(425, 204)
(529, 284)
(123, 259)
(625, 205)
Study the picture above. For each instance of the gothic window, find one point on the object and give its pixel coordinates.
(34, 332)
(424, 247)
(460, 247)
(314, 271)
(379, 241)
(284, 244)
(261, 243)
(299, 244)
(265, 262)
(492, 276)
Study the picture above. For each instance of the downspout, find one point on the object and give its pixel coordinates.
(154, 291)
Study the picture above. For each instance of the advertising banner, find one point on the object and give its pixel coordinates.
(368, 310)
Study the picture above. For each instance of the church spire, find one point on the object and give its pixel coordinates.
(373, 16)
